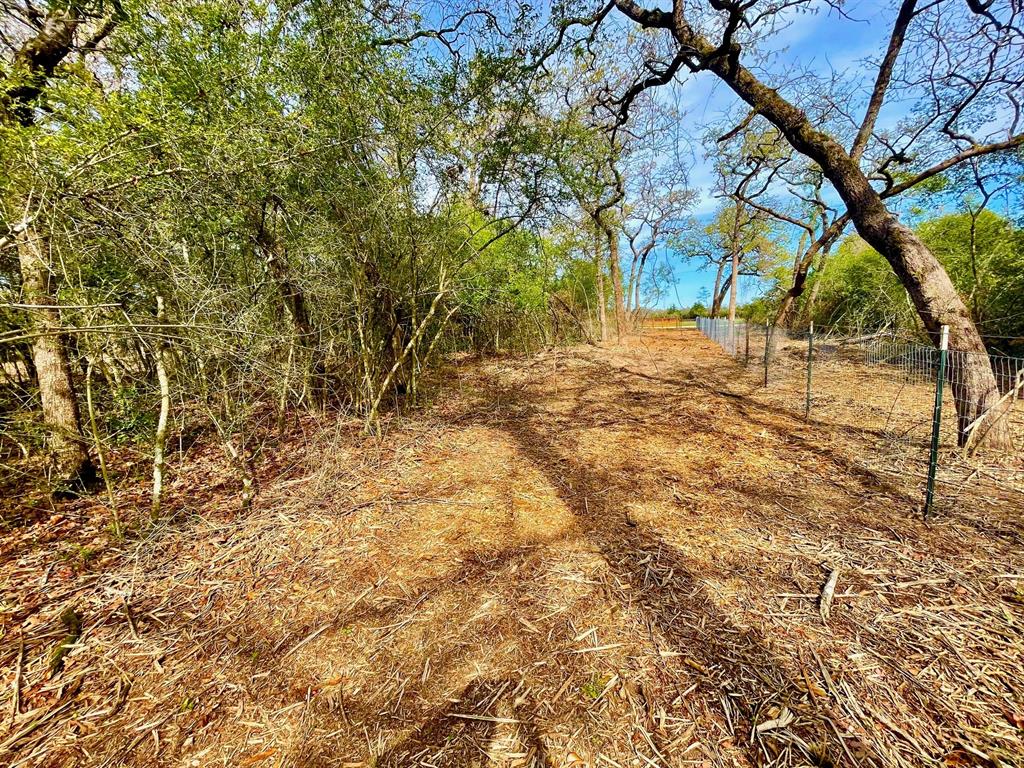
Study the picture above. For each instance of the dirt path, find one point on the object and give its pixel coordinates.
(602, 557)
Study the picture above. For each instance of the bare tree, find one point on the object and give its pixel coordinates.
(764, 164)
(967, 64)
(654, 217)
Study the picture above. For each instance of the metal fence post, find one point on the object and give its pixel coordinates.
(810, 357)
(746, 354)
(933, 458)
(766, 336)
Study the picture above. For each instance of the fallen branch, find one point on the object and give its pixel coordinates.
(828, 593)
(969, 442)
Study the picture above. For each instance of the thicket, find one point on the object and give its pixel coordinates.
(213, 214)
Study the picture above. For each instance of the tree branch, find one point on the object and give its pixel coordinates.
(976, 151)
(899, 31)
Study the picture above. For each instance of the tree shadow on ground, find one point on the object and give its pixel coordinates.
(461, 737)
(766, 416)
(739, 674)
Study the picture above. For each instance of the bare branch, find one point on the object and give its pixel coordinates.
(899, 31)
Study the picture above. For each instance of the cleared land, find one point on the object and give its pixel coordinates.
(598, 556)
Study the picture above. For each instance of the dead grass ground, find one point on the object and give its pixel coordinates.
(600, 557)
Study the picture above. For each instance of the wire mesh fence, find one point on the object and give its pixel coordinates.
(889, 388)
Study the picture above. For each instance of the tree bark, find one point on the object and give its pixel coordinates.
(716, 301)
(735, 258)
(293, 299)
(631, 283)
(70, 459)
(732, 285)
(618, 294)
(639, 279)
(784, 316)
(163, 364)
(602, 312)
(720, 299)
(38, 57)
(812, 297)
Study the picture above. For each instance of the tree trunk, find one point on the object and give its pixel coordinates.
(292, 296)
(733, 289)
(618, 295)
(800, 251)
(932, 292)
(163, 363)
(71, 462)
(602, 313)
(732, 285)
(716, 302)
(636, 285)
(812, 297)
(972, 381)
(720, 298)
(784, 316)
(735, 258)
(293, 300)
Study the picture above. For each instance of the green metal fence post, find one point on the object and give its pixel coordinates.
(810, 357)
(767, 334)
(933, 458)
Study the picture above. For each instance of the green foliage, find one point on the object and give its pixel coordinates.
(987, 266)
(983, 256)
(322, 214)
(754, 237)
(858, 288)
(128, 416)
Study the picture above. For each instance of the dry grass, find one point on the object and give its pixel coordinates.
(600, 557)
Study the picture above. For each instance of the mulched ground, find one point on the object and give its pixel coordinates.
(590, 557)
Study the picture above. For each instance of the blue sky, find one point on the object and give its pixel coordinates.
(821, 41)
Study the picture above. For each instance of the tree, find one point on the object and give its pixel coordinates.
(588, 159)
(762, 162)
(857, 288)
(971, 56)
(656, 197)
(738, 238)
(52, 37)
(326, 201)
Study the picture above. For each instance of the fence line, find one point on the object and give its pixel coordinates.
(892, 383)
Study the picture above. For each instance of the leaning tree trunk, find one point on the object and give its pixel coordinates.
(802, 268)
(812, 297)
(973, 383)
(715, 301)
(71, 463)
(720, 298)
(938, 303)
(786, 307)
